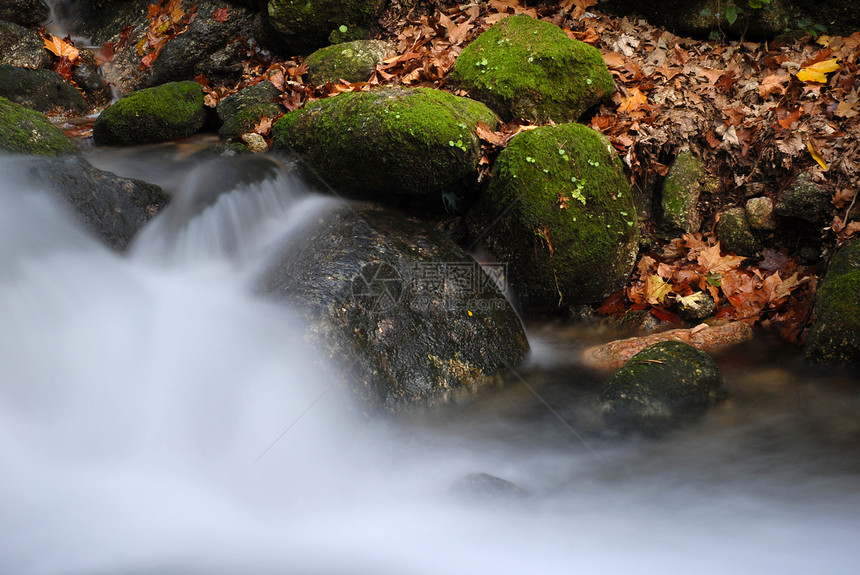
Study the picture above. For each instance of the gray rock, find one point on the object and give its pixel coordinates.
(41, 90)
(411, 318)
(696, 306)
(350, 61)
(760, 214)
(834, 337)
(805, 200)
(486, 487)
(24, 12)
(661, 387)
(22, 47)
(734, 232)
(114, 209)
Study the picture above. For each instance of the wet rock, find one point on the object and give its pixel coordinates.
(114, 209)
(41, 90)
(486, 487)
(306, 26)
(22, 47)
(387, 143)
(663, 386)
(760, 214)
(26, 131)
(679, 196)
(559, 212)
(350, 61)
(241, 111)
(206, 46)
(86, 76)
(160, 114)
(24, 12)
(711, 340)
(526, 68)
(834, 337)
(735, 234)
(411, 317)
(255, 142)
(696, 306)
(805, 200)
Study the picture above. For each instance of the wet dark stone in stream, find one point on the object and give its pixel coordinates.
(412, 318)
(24, 12)
(114, 209)
(660, 388)
(486, 487)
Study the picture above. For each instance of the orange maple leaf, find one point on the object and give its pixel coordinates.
(635, 101)
(62, 48)
(711, 260)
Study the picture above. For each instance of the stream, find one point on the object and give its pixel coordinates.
(158, 417)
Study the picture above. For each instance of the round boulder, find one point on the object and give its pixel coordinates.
(168, 112)
(662, 386)
(41, 90)
(834, 338)
(26, 131)
(22, 47)
(387, 142)
(526, 68)
(350, 61)
(560, 213)
(411, 318)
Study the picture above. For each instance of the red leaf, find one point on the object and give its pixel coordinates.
(664, 315)
(616, 304)
(220, 15)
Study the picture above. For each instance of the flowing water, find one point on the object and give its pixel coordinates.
(156, 417)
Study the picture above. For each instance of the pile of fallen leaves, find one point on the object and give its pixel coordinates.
(775, 292)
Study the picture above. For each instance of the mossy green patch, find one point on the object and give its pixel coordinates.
(834, 337)
(167, 112)
(734, 232)
(245, 119)
(560, 213)
(25, 131)
(388, 141)
(679, 195)
(350, 61)
(526, 68)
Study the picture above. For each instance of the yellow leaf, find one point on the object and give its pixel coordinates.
(656, 290)
(62, 48)
(815, 155)
(818, 71)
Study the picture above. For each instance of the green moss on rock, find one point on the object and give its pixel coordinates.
(560, 213)
(305, 25)
(25, 131)
(834, 338)
(526, 68)
(663, 385)
(41, 90)
(388, 141)
(734, 232)
(246, 118)
(161, 114)
(679, 195)
(350, 61)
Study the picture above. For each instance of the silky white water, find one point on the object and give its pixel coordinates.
(157, 417)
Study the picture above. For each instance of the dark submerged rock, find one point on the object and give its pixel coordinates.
(159, 114)
(661, 387)
(22, 47)
(26, 131)
(412, 318)
(41, 90)
(486, 487)
(834, 337)
(112, 208)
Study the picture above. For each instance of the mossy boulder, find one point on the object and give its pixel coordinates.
(834, 338)
(387, 142)
(41, 90)
(239, 112)
(679, 196)
(661, 387)
(526, 68)
(350, 61)
(22, 47)
(305, 25)
(560, 213)
(26, 131)
(805, 200)
(410, 317)
(735, 234)
(168, 112)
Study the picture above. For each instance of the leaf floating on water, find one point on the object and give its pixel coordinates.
(818, 72)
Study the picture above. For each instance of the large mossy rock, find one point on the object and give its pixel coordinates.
(22, 47)
(387, 142)
(411, 318)
(526, 68)
(161, 114)
(834, 338)
(112, 208)
(306, 25)
(41, 90)
(560, 213)
(663, 386)
(26, 131)
(351, 61)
